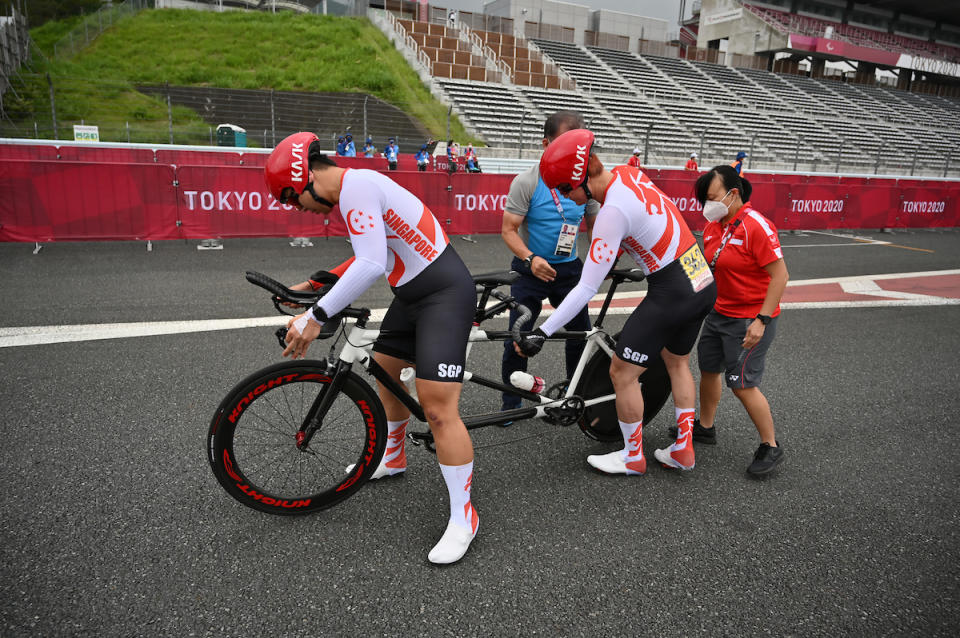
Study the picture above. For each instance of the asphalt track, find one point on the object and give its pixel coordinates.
(111, 523)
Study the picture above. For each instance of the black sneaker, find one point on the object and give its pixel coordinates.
(765, 459)
(700, 433)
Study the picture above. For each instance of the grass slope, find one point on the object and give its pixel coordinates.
(243, 50)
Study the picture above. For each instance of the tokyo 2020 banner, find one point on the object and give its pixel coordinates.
(63, 200)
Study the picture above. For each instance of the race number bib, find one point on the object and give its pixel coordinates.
(566, 241)
(696, 268)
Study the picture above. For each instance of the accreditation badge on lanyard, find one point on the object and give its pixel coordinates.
(568, 232)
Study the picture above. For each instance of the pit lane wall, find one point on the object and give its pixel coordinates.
(104, 193)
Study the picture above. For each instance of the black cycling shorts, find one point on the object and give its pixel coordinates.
(668, 317)
(428, 323)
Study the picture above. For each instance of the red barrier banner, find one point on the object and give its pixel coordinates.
(67, 200)
(254, 159)
(182, 157)
(233, 201)
(478, 199)
(119, 154)
(71, 201)
(28, 152)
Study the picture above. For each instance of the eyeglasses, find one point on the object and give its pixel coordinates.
(564, 189)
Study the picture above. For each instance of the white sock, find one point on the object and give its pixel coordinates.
(632, 439)
(395, 457)
(459, 479)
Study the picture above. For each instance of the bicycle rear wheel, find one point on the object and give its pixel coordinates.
(253, 439)
(599, 421)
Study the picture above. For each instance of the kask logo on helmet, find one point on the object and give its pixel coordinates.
(578, 167)
(296, 167)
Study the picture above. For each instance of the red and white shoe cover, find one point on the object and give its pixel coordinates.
(629, 460)
(453, 544)
(464, 521)
(680, 455)
(394, 459)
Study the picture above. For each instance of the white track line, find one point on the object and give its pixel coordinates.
(862, 285)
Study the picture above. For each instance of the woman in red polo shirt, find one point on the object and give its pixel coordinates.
(743, 250)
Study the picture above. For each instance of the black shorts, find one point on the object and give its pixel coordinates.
(668, 317)
(428, 323)
(721, 350)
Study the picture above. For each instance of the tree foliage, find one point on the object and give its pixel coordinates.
(40, 12)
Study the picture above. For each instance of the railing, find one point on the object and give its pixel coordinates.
(567, 82)
(93, 25)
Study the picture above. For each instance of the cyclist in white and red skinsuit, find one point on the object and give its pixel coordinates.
(639, 217)
(394, 234)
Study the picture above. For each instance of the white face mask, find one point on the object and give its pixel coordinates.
(714, 211)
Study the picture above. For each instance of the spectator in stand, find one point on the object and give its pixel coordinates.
(743, 250)
(369, 150)
(470, 157)
(341, 146)
(452, 19)
(634, 160)
(423, 158)
(691, 163)
(737, 164)
(350, 149)
(391, 152)
(451, 157)
(545, 254)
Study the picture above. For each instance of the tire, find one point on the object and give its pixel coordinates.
(252, 440)
(599, 421)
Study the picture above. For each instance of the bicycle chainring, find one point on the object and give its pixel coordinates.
(567, 413)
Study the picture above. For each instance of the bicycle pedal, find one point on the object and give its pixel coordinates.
(568, 413)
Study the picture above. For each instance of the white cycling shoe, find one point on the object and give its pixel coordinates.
(453, 544)
(677, 459)
(381, 471)
(615, 463)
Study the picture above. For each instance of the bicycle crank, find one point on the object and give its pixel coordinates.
(567, 413)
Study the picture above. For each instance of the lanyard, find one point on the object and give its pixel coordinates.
(727, 235)
(556, 200)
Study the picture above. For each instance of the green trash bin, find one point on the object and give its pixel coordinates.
(231, 135)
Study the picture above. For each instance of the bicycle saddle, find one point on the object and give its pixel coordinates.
(496, 278)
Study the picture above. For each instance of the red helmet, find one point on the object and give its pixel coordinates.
(287, 166)
(565, 160)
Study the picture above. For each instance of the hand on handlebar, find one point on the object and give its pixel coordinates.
(304, 286)
(301, 331)
(530, 344)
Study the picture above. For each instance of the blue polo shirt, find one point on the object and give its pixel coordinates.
(530, 197)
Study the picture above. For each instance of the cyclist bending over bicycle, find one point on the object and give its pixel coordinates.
(636, 215)
(394, 234)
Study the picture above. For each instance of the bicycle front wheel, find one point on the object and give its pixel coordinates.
(258, 452)
(599, 421)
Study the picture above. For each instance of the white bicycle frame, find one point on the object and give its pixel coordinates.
(359, 346)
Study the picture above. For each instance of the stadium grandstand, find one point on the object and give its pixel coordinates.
(809, 85)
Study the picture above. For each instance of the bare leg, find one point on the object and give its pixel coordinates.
(395, 410)
(629, 399)
(681, 379)
(441, 406)
(759, 411)
(711, 388)
(455, 454)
